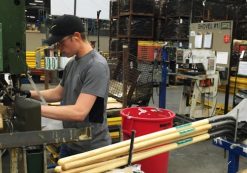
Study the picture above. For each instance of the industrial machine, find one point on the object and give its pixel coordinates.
(198, 70)
(21, 133)
(196, 62)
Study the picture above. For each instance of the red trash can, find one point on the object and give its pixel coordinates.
(145, 120)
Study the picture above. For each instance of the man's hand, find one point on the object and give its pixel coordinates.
(26, 93)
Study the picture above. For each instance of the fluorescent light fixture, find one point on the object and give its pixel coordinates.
(39, 1)
(32, 17)
(32, 3)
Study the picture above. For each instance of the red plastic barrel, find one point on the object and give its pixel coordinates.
(145, 120)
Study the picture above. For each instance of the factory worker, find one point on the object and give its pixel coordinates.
(83, 89)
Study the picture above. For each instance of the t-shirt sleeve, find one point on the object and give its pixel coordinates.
(63, 78)
(96, 80)
(65, 73)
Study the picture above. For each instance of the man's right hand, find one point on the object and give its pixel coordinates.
(26, 93)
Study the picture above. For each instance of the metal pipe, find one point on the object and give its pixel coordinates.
(1, 164)
(125, 60)
(98, 26)
(44, 159)
(236, 127)
(162, 95)
(131, 147)
(75, 4)
(229, 77)
(216, 125)
(221, 118)
(24, 153)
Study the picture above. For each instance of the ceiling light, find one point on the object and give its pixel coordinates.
(39, 1)
(32, 17)
(30, 3)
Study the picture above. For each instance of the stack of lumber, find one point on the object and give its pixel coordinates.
(31, 60)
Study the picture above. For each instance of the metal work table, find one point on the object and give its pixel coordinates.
(20, 142)
(235, 150)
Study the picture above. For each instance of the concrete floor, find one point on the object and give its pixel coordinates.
(202, 157)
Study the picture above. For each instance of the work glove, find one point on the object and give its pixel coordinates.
(25, 93)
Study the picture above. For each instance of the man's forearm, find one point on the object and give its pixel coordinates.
(65, 113)
(49, 95)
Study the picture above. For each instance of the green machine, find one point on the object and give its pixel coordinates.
(1, 47)
(12, 37)
(21, 132)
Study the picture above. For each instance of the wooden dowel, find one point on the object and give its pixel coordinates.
(91, 153)
(84, 168)
(127, 142)
(175, 140)
(88, 167)
(149, 153)
(58, 169)
(1, 121)
(141, 145)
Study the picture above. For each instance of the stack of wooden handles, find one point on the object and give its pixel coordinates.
(116, 155)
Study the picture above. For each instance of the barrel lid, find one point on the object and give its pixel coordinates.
(147, 113)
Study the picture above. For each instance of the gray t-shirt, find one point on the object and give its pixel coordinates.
(88, 74)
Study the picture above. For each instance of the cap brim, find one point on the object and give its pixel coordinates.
(53, 39)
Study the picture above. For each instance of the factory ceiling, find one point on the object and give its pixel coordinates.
(36, 10)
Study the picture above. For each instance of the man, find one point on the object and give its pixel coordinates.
(83, 90)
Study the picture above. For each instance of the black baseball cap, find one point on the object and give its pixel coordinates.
(63, 26)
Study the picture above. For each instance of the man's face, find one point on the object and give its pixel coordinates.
(68, 46)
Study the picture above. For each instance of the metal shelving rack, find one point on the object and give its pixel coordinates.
(130, 14)
(134, 23)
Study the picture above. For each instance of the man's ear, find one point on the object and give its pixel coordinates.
(77, 34)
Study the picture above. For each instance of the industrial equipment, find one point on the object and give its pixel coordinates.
(196, 62)
(20, 117)
(216, 36)
(13, 37)
(198, 69)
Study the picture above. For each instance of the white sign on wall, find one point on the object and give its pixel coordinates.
(84, 8)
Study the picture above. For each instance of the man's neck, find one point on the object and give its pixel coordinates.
(84, 49)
